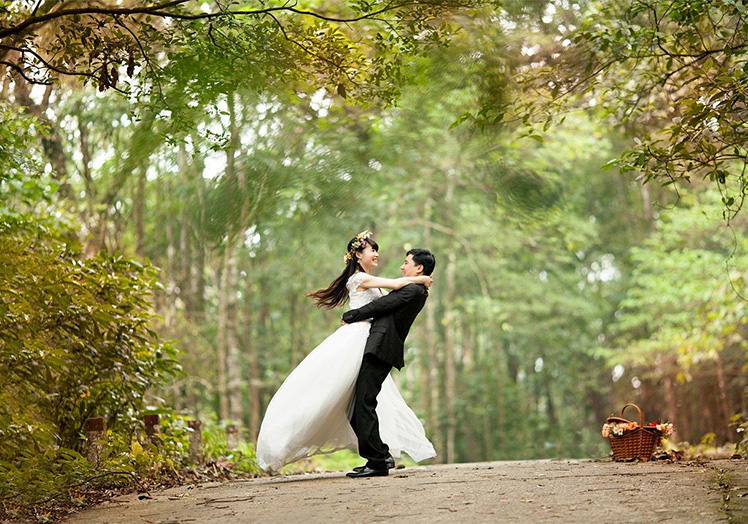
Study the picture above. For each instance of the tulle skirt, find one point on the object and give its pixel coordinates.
(309, 413)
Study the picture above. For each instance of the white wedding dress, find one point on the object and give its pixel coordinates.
(310, 411)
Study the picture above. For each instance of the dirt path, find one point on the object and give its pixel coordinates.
(523, 491)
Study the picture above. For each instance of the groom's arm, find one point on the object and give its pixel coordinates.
(382, 306)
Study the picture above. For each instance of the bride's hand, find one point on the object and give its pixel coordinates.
(426, 280)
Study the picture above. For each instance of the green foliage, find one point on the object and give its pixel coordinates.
(75, 343)
(22, 184)
(75, 340)
(37, 480)
(354, 49)
(682, 300)
(14, 148)
(671, 72)
(243, 458)
(682, 321)
(740, 424)
(40, 486)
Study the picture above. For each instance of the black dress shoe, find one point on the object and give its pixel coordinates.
(389, 462)
(368, 472)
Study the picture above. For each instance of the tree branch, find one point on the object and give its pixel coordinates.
(20, 71)
(49, 66)
(35, 20)
(158, 10)
(310, 52)
(36, 8)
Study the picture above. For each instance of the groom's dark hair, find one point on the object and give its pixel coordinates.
(423, 257)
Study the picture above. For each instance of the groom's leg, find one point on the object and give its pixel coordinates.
(365, 422)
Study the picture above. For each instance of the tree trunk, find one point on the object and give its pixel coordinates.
(4, 88)
(255, 409)
(488, 437)
(198, 276)
(139, 210)
(221, 346)
(450, 324)
(449, 353)
(171, 252)
(233, 244)
(672, 404)
(467, 370)
(722, 395)
(423, 372)
(434, 382)
(500, 402)
(198, 267)
(186, 290)
(647, 203)
(550, 406)
(233, 355)
(264, 322)
(118, 232)
(303, 335)
(293, 311)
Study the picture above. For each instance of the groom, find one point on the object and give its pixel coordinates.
(392, 316)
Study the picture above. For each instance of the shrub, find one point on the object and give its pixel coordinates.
(75, 340)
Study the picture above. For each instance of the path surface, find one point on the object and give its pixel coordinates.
(523, 491)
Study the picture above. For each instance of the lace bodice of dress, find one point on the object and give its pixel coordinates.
(360, 298)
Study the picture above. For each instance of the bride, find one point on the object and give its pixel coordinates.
(309, 414)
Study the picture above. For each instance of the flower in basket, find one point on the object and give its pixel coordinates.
(665, 428)
(618, 428)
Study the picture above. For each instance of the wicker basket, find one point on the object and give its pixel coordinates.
(635, 444)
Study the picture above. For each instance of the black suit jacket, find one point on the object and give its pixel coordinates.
(392, 315)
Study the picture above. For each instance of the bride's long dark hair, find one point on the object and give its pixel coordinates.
(336, 293)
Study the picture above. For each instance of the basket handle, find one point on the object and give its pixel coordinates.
(641, 417)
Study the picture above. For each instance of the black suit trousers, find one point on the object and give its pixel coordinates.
(364, 418)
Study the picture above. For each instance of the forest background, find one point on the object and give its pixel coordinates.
(173, 183)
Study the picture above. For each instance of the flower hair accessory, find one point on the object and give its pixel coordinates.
(358, 243)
